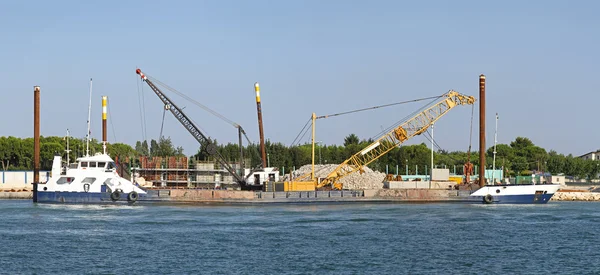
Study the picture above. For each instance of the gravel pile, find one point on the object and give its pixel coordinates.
(368, 180)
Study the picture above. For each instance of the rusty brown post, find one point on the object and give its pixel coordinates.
(36, 140)
(263, 150)
(481, 130)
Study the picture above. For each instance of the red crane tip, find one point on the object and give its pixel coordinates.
(138, 71)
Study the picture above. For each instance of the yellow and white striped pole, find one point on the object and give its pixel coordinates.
(263, 151)
(104, 99)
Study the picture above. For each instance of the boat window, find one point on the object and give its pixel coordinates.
(92, 164)
(111, 181)
(89, 180)
(84, 164)
(101, 164)
(73, 166)
(111, 165)
(65, 180)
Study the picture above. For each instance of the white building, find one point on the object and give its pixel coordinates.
(556, 179)
(591, 155)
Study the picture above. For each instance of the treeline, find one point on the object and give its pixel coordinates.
(520, 157)
(17, 153)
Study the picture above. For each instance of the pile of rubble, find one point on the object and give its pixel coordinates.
(576, 196)
(368, 180)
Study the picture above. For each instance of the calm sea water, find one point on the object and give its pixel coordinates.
(558, 238)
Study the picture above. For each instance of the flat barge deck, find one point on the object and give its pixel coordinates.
(235, 196)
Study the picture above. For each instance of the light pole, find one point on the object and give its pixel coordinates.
(431, 175)
(320, 144)
(494, 160)
(268, 161)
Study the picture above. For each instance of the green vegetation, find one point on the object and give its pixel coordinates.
(17, 153)
(520, 157)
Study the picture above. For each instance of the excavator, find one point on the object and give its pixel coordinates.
(204, 141)
(414, 126)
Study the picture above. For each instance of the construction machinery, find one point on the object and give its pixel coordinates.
(416, 125)
(204, 141)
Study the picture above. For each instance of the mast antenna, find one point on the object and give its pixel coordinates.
(68, 150)
(87, 142)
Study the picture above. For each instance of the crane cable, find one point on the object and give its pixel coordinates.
(300, 133)
(215, 113)
(162, 124)
(111, 124)
(430, 138)
(142, 108)
(379, 106)
(388, 129)
(471, 131)
(304, 129)
(305, 133)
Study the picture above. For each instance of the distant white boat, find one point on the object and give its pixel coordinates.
(515, 193)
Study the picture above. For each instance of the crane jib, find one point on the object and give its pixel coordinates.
(406, 130)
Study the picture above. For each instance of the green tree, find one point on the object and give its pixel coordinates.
(142, 148)
(120, 150)
(521, 143)
(555, 163)
(351, 139)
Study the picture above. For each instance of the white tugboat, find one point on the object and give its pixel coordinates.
(92, 179)
(515, 193)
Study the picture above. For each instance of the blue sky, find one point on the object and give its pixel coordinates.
(540, 58)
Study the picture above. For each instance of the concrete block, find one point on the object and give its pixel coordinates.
(401, 184)
(441, 174)
(349, 194)
(279, 195)
(294, 195)
(322, 194)
(371, 192)
(233, 194)
(308, 194)
(422, 184)
(335, 194)
(16, 195)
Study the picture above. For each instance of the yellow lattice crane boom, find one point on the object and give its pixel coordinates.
(408, 129)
